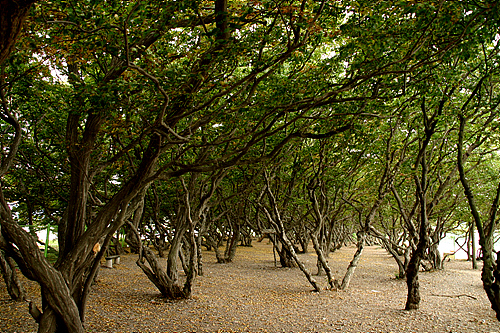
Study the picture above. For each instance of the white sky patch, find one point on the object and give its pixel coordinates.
(57, 75)
(60, 77)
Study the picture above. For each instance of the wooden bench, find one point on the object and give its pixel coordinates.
(112, 259)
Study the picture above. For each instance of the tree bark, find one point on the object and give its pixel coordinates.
(12, 18)
(332, 282)
(173, 254)
(192, 267)
(289, 246)
(435, 256)
(430, 124)
(280, 232)
(354, 262)
(413, 299)
(65, 286)
(473, 246)
(491, 271)
(54, 286)
(412, 283)
(231, 245)
(14, 286)
(155, 271)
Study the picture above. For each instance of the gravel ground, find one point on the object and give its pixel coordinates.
(252, 295)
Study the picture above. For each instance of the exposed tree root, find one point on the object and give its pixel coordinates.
(455, 296)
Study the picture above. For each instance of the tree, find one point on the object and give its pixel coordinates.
(480, 109)
(272, 212)
(150, 85)
(11, 22)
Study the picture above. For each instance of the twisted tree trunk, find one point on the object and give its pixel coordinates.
(14, 286)
(277, 223)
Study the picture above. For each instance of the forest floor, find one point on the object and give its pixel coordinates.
(253, 295)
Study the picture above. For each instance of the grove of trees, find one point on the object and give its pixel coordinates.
(188, 124)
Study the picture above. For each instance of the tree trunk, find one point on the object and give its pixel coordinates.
(167, 280)
(155, 272)
(14, 286)
(281, 235)
(192, 268)
(435, 257)
(302, 238)
(285, 257)
(199, 239)
(136, 220)
(412, 283)
(402, 264)
(289, 247)
(491, 275)
(173, 254)
(65, 286)
(231, 245)
(473, 245)
(332, 282)
(413, 299)
(12, 18)
(355, 260)
(54, 286)
(168, 287)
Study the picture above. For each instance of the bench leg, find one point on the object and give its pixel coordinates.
(109, 263)
(117, 260)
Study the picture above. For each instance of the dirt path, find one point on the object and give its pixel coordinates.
(252, 295)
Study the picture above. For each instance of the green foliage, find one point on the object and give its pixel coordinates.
(115, 96)
(286, 70)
